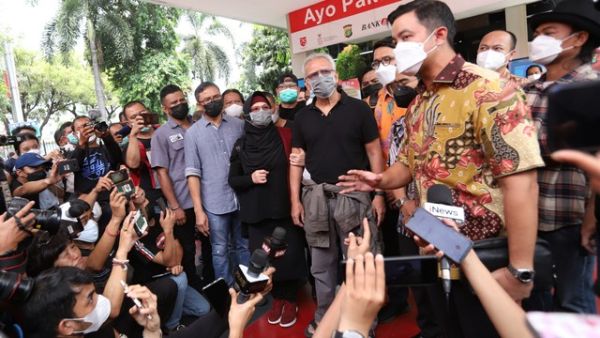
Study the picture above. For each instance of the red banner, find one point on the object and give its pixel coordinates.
(331, 10)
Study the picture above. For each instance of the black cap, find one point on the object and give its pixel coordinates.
(287, 76)
(578, 13)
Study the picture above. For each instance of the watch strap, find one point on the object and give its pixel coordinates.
(519, 274)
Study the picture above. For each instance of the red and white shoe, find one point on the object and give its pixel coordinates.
(289, 314)
(275, 314)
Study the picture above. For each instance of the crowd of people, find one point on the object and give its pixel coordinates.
(119, 231)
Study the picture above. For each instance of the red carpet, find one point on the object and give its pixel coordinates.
(402, 327)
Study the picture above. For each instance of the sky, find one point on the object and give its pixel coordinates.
(25, 24)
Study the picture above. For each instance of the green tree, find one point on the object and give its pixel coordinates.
(99, 20)
(264, 58)
(151, 74)
(208, 59)
(48, 90)
(349, 63)
(155, 61)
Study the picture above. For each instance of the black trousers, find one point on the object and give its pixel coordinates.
(397, 297)
(464, 316)
(186, 234)
(426, 319)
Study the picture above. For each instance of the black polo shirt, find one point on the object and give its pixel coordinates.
(335, 143)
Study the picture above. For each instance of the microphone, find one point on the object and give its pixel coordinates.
(275, 245)
(440, 204)
(250, 279)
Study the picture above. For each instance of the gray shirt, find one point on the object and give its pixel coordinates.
(207, 152)
(167, 152)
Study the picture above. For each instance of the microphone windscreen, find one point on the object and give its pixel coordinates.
(259, 259)
(440, 194)
(279, 234)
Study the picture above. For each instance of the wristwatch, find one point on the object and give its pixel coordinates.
(523, 275)
(400, 202)
(348, 334)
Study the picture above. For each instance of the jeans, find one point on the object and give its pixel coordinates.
(226, 230)
(573, 290)
(188, 302)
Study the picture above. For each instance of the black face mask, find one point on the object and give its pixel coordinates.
(403, 95)
(36, 176)
(214, 108)
(180, 111)
(371, 89)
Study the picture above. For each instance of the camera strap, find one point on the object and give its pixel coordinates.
(5, 191)
(14, 261)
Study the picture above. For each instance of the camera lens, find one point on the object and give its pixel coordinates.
(48, 220)
(13, 287)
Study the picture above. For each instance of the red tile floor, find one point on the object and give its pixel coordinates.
(402, 327)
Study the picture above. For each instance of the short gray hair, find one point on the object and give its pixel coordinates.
(314, 56)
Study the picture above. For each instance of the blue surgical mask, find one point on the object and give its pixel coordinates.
(288, 95)
(144, 130)
(124, 141)
(73, 139)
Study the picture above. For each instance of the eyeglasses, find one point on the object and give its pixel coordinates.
(261, 107)
(322, 73)
(384, 61)
(211, 99)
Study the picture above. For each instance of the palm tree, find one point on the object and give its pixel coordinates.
(208, 58)
(89, 19)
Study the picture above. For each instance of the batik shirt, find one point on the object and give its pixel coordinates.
(466, 133)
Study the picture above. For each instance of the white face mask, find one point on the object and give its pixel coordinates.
(386, 74)
(97, 317)
(34, 151)
(534, 77)
(91, 139)
(89, 233)
(410, 56)
(275, 117)
(234, 110)
(544, 49)
(491, 59)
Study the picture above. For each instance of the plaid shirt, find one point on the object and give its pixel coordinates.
(564, 189)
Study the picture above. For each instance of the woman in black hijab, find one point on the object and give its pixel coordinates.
(259, 175)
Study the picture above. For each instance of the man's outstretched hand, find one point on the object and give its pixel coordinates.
(359, 180)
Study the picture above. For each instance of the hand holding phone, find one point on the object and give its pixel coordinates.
(429, 228)
(140, 225)
(141, 309)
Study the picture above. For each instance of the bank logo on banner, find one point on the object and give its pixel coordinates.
(374, 24)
